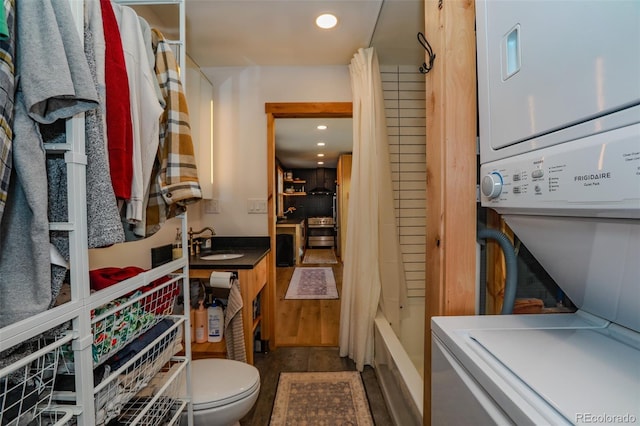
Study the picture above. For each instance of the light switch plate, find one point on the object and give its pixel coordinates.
(212, 206)
(256, 206)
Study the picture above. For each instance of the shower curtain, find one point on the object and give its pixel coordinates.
(373, 273)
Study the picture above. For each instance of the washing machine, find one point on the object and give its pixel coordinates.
(559, 103)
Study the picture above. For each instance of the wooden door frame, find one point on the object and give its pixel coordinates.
(287, 110)
(451, 168)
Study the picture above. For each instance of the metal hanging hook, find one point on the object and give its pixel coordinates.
(426, 67)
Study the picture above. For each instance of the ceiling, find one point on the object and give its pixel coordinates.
(297, 139)
(222, 33)
(239, 33)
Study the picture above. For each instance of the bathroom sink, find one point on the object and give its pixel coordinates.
(221, 256)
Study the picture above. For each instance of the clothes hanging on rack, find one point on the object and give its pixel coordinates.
(104, 227)
(174, 180)
(61, 87)
(29, 281)
(7, 53)
(118, 109)
(147, 35)
(42, 97)
(145, 108)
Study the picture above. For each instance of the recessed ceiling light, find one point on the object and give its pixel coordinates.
(326, 21)
(321, 127)
(320, 162)
(320, 143)
(320, 155)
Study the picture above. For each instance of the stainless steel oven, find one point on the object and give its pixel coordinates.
(321, 231)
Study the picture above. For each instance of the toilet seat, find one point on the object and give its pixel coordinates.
(217, 382)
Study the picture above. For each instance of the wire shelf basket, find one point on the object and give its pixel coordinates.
(117, 323)
(26, 387)
(132, 375)
(161, 403)
(55, 416)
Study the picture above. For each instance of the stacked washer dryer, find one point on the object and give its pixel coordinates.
(559, 102)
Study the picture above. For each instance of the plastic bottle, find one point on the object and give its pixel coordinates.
(216, 322)
(176, 251)
(201, 323)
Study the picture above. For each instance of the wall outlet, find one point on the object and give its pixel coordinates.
(256, 206)
(212, 206)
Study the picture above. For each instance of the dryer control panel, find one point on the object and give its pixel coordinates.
(595, 176)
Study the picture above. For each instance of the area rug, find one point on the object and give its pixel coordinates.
(312, 283)
(319, 256)
(314, 399)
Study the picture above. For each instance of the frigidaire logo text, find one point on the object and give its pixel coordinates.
(593, 176)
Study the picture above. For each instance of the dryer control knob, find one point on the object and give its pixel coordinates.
(492, 185)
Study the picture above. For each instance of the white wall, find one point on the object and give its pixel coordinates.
(240, 135)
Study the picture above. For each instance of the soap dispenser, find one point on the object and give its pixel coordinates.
(176, 250)
(201, 323)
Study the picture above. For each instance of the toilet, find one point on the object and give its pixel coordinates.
(222, 390)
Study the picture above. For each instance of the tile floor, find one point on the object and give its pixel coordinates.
(308, 359)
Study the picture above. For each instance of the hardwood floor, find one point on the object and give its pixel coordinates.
(306, 322)
(307, 340)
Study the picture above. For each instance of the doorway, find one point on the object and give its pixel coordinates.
(288, 110)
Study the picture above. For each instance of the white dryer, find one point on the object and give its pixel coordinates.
(566, 178)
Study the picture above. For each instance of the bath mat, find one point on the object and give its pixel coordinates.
(319, 398)
(312, 283)
(319, 256)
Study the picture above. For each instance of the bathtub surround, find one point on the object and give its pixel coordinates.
(318, 398)
(312, 283)
(374, 275)
(400, 381)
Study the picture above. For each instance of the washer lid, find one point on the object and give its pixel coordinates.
(216, 382)
(578, 372)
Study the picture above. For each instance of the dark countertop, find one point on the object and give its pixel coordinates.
(289, 221)
(253, 248)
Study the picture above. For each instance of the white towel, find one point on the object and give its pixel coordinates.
(233, 327)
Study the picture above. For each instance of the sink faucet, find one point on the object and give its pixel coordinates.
(192, 249)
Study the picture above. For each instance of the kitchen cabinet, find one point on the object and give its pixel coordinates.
(342, 194)
(296, 228)
(253, 279)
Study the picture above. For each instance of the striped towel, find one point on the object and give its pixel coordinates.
(233, 327)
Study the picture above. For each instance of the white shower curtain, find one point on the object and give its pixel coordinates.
(373, 274)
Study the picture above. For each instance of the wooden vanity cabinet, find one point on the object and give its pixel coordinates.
(252, 283)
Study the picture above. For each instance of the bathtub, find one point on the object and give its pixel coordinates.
(401, 383)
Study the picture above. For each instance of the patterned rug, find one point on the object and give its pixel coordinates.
(319, 256)
(312, 283)
(313, 399)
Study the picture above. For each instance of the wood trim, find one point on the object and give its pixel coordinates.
(451, 168)
(309, 109)
(271, 217)
(287, 110)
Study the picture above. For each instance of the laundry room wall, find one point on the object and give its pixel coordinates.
(240, 137)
